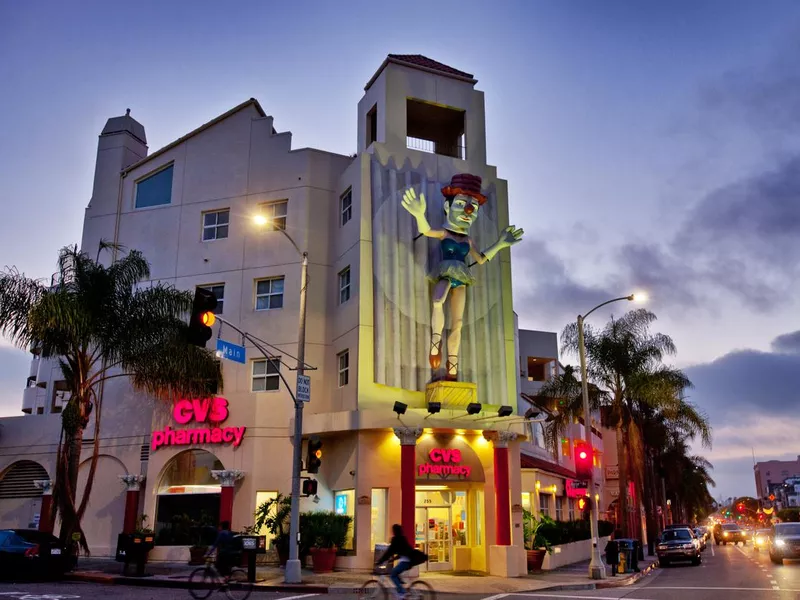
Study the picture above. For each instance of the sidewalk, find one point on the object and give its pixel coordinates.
(270, 578)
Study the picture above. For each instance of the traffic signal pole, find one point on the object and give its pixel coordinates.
(292, 573)
(597, 569)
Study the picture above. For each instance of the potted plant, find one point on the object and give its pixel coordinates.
(329, 533)
(274, 515)
(204, 533)
(535, 543)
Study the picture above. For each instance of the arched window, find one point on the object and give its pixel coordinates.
(187, 506)
(17, 481)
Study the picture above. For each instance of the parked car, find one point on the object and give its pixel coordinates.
(678, 545)
(704, 531)
(761, 538)
(729, 533)
(784, 542)
(700, 537)
(29, 552)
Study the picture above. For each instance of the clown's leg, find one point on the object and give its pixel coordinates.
(440, 291)
(458, 300)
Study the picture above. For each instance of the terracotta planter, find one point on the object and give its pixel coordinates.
(323, 559)
(535, 559)
(197, 555)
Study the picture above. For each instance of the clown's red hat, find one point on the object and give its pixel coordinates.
(464, 183)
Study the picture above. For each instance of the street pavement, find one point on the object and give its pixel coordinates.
(727, 573)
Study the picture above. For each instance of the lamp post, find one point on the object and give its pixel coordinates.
(597, 569)
(292, 573)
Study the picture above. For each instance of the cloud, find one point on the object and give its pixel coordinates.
(753, 401)
(545, 291)
(788, 343)
(14, 366)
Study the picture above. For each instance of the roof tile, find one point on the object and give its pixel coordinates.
(423, 61)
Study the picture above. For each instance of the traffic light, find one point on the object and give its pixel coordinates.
(314, 456)
(583, 461)
(202, 317)
(309, 487)
(585, 506)
(740, 507)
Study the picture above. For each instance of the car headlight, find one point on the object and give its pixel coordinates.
(688, 546)
(780, 543)
(662, 547)
(726, 534)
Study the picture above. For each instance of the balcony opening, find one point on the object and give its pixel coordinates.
(372, 125)
(60, 396)
(538, 368)
(435, 129)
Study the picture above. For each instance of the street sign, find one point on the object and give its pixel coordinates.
(303, 388)
(231, 351)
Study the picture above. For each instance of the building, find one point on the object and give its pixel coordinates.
(771, 474)
(450, 474)
(549, 484)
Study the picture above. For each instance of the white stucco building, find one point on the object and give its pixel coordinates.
(189, 208)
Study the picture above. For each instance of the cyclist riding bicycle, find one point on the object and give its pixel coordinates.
(407, 558)
(225, 545)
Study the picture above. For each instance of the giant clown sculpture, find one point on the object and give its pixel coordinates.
(462, 199)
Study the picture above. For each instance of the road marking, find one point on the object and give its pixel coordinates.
(542, 595)
(736, 589)
(298, 597)
(496, 597)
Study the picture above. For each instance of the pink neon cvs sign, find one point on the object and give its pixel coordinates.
(210, 411)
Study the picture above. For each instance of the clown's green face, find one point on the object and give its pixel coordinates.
(461, 213)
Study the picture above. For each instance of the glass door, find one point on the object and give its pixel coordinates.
(439, 539)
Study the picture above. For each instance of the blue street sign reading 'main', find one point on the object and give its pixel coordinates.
(230, 351)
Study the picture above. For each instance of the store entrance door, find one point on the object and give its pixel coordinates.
(434, 536)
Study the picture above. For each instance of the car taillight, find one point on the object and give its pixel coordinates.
(33, 551)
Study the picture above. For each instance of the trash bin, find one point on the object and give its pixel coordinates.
(627, 555)
(386, 568)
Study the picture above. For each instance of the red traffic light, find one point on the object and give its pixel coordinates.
(583, 461)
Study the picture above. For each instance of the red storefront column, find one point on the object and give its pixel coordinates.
(227, 479)
(408, 478)
(502, 487)
(133, 484)
(47, 504)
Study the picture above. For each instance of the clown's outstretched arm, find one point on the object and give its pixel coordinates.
(416, 206)
(508, 238)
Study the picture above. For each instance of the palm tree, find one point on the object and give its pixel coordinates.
(102, 323)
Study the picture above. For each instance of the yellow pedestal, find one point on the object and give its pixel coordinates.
(451, 394)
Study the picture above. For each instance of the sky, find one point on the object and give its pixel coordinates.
(648, 146)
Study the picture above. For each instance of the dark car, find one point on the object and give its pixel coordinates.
(729, 533)
(29, 552)
(784, 542)
(677, 545)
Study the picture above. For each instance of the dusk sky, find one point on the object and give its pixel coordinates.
(648, 146)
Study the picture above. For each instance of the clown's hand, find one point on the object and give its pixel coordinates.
(413, 203)
(509, 237)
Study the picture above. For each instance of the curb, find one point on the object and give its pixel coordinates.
(622, 582)
(182, 584)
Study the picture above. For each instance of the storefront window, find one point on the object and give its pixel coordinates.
(344, 503)
(559, 509)
(459, 517)
(478, 518)
(379, 531)
(544, 504)
(187, 503)
(571, 504)
(261, 498)
(526, 500)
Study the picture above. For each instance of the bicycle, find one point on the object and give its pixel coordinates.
(378, 589)
(207, 579)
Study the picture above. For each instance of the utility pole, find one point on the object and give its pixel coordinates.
(292, 574)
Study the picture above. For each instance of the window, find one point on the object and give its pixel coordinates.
(155, 190)
(218, 289)
(559, 509)
(344, 368)
(269, 293)
(275, 213)
(344, 504)
(346, 206)
(344, 285)
(265, 374)
(544, 504)
(526, 500)
(566, 447)
(379, 532)
(215, 224)
(372, 125)
(262, 498)
(537, 368)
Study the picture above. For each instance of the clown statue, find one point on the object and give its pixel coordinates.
(462, 198)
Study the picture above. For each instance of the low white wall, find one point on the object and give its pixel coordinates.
(571, 553)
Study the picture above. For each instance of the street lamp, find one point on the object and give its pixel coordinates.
(596, 568)
(292, 573)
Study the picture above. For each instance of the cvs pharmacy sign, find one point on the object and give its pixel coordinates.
(211, 412)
